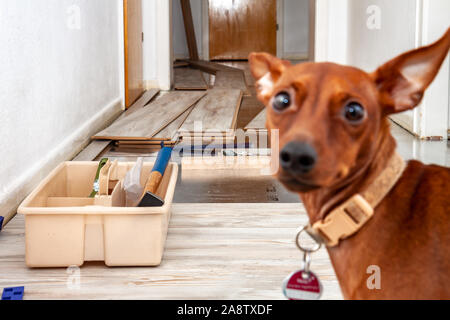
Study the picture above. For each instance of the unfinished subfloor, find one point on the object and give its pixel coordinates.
(231, 236)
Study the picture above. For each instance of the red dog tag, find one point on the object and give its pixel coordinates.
(302, 286)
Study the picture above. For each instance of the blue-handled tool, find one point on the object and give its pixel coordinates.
(149, 198)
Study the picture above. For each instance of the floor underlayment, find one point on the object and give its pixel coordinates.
(231, 186)
(240, 185)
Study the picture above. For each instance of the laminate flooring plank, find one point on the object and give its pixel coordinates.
(171, 131)
(220, 251)
(92, 150)
(140, 103)
(217, 111)
(210, 67)
(145, 123)
(189, 79)
(231, 80)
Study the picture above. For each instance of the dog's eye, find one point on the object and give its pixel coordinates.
(281, 101)
(354, 112)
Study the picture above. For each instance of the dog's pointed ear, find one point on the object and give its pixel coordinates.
(402, 81)
(266, 69)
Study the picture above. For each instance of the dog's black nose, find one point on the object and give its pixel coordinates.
(298, 157)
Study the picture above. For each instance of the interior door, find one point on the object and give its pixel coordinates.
(238, 27)
(134, 74)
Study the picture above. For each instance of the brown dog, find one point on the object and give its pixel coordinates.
(335, 143)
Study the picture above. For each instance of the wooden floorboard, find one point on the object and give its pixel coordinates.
(145, 123)
(140, 143)
(91, 152)
(189, 79)
(231, 80)
(210, 67)
(171, 131)
(225, 251)
(216, 111)
(244, 66)
(130, 154)
(180, 64)
(141, 102)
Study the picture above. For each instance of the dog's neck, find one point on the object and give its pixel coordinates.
(320, 202)
(329, 198)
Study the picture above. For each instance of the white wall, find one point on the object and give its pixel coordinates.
(421, 22)
(295, 29)
(343, 36)
(58, 85)
(331, 31)
(157, 46)
(180, 47)
(149, 27)
(370, 48)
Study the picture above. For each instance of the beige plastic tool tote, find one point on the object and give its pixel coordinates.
(63, 227)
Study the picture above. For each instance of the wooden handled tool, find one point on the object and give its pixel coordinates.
(149, 198)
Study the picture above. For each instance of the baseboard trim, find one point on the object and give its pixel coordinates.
(67, 150)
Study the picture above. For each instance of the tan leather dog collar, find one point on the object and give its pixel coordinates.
(349, 218)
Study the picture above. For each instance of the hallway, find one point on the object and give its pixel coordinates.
(90, 87)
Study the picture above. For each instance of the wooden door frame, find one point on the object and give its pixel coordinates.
(280, 32)
(133, 89)
(121, 17)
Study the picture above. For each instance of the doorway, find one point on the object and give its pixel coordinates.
(237, 28)
(291, 35)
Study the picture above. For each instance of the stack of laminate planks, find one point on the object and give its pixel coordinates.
(153, 123)
(98, 146)
(194, 110)
(172, 116)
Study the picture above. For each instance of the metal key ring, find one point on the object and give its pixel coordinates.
(301, 248)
